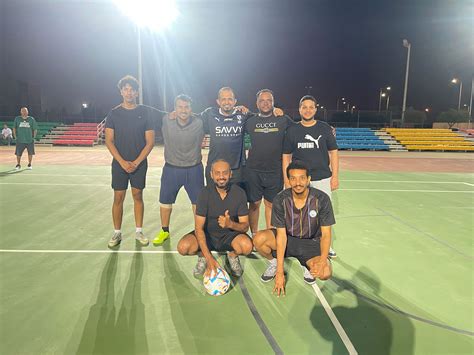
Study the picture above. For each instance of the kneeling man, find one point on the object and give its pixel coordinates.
(302, 217)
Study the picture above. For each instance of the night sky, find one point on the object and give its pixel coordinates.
(77, 50)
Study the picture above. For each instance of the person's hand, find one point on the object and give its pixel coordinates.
(322, 269)
(242, 109)
(334, 183)
(279, 284)
(278, 112)
(224, 221)
(128, 166)
(212, 266)
(172, 115)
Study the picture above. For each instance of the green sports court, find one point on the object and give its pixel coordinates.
(402, 282)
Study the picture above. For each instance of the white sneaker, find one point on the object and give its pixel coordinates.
(30, 167)
(140, 238)
(307, 277)
(18, 167)
(115, 240)
(270, 272)
(332, 253)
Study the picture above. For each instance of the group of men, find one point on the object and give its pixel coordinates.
(300, 157)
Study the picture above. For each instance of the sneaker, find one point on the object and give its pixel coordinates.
(200, 267)
(235, 267)
(140, 238)
(332, 253)
(30, 167)
(18, 167)
(161, 237)
(270, 272)
(115, 240)
(307, 277)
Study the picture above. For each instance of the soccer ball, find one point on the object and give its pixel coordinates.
(217, 284)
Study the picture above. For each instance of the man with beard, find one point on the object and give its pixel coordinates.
(302, 217)
(221, 223)
(313, 142)
(263, 172)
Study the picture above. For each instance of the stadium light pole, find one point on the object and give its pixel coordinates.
(456, 81)
(407, 45)
(337, 104)
(388, 88)
(155, 15)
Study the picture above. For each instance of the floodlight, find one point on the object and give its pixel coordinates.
(153, 14)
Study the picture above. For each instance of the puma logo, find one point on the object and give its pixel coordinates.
(308, 137)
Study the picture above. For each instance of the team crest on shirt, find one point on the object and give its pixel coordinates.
(313, 213)
(239, 119)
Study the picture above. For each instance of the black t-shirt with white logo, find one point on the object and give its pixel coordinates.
(311, 145)
(304, 223)
(266, 138)
(211, 205)
(226, 136)
(130, 126)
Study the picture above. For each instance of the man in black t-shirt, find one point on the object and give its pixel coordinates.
(313, 142)
(302, 217)
(221, 223)
(263, 172)
(129, 136)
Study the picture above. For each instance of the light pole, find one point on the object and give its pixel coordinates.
(407, 45)
(381, 95)
(155, 15)
(470, 100)
(337, 105)
(456, 81)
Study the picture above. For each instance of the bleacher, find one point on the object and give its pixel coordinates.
(359, 139)
(422, 139)
(43, 129)
(78, 134)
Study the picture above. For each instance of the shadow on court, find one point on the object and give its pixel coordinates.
(372, 329)
(109, 330)
(11, 172)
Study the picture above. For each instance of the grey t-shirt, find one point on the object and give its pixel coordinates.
(183, 143)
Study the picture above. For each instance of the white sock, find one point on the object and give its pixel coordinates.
(139, 230)
(117, 231)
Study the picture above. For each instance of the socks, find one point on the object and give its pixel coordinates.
(139, 230)
(117, 231)
(166, 229)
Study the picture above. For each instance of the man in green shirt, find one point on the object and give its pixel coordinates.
(24, 131)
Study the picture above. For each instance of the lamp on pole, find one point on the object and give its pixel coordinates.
(337, 105)
(407, 45)
(153, 15)
(458, 81)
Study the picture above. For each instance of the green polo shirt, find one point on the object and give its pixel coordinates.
(24, 129)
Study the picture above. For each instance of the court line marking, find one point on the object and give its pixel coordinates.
(426, 234)
(468, 184)
(157, 186)
(258, 319)
(335, 322)
(410, 181)
(396, 310)
(441, 325)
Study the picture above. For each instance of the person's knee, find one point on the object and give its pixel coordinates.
(137, 195)
(119, 197)
(183, 247)
(246, 246)
(259, 239)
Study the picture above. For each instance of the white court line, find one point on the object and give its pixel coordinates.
(340, 330)
(468, 184)
(411, 181)
(156, 186)
(89, 251)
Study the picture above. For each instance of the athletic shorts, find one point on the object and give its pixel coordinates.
(324, 185)
(260, 184)
(120, 177)
(173, 178)
(20, 148)
(221, 243)
(236, 178)
(301, 249)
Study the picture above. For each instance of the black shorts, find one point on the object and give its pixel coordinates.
(301, 249)
(237, 176)
(20, 147)
(260, 184)
(222, 243)
(120, 177)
